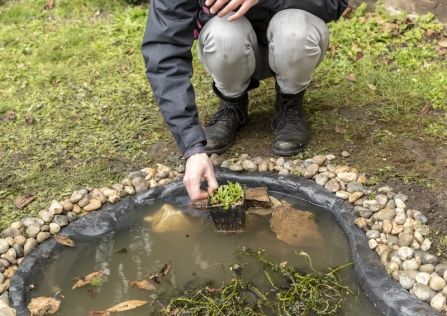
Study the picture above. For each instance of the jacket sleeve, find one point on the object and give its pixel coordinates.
(166, 50)
(327, 10)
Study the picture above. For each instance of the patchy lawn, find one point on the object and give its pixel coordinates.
(76, 108)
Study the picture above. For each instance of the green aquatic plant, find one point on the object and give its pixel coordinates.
(227, 194)
(288, 292)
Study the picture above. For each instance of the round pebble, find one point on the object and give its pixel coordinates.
(405, 253)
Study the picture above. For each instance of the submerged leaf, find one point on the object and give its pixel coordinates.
(126, 306)
(158, 276)
(43, 305)
(64, 240)
(87, 279)
(142, 285)
(98, 313)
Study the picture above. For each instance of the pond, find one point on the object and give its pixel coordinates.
(197, 254)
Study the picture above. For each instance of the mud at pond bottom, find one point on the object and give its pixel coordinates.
(197, 254)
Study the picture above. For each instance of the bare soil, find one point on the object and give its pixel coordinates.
(393, 151)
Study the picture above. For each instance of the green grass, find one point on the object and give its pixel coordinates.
(78, 72)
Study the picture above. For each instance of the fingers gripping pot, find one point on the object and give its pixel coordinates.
(227, 207)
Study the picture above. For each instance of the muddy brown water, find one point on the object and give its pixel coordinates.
(197, 255)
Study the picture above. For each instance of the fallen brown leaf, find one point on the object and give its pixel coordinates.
(346, 13)
(30, 120)
(282, 265)
(92, 293)
(98, 313)
(350, 77)
(142, 285)
(371, 122)
(126, 306)
(49, 5)
(43, 305)
(424, 111)
(87, 279)
(429, 32)
(443, 43)
(373, 88)
(341, 130)
(213, 290)
(174, 312)
(21, 202)
(129, 52)
(64, 240)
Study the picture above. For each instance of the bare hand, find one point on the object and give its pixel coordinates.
(231, 5)
(199, 167)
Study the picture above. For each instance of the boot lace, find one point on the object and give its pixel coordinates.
(225, 113)
(286, 114)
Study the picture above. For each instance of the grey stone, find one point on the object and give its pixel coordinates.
(428, 268)
(406, 282)
(427, 258)
(84, 201)
(249, 166)
(42, 236)
(181, 168)
(30, 245)
(321, 179)
(405, 240)
(311, 170)
(382, 199)
(422, 218)
(98, 195)
(83, 191)
(160, 175)
(386, 213)
(421, 291)
(354, 186)
(11, 232)
(129, 189)
(46, 216)
(402, 197)
(9, 258)
(140, 184)
(405, 253)
(71, 216)
(441, 268)
(376, 227)
(136, 174)
(117, 186)
(332, 185)
(263, 165)
(61, 220)
(19, 250)
(365, 213)
(390, 204)
(236, 167)
(4, 246)
(4, 263)
(372, 234)
(54, 228)
(392, 240)
(28, 221)
(76, 197)
(280, 161)
(32, 231)
(45, 228)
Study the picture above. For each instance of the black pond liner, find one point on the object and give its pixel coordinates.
(388, 296)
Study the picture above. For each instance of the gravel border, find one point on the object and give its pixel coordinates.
(389, 297)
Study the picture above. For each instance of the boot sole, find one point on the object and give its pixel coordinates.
(219, 151)
(287, 153)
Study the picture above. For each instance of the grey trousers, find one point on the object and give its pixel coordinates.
(232, 55)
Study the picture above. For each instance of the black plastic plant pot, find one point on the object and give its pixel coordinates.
(230, 220)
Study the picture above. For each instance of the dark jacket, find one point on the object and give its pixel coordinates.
(171, 28)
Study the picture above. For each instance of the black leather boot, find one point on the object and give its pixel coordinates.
(230, 116)
(289, 124)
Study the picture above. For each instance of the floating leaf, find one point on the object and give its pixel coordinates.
(122, 250)
(350, 77)
(64, 240)
(23, 201)
(126, 306)
(43, 305)
(142, 285)
(87, 279)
